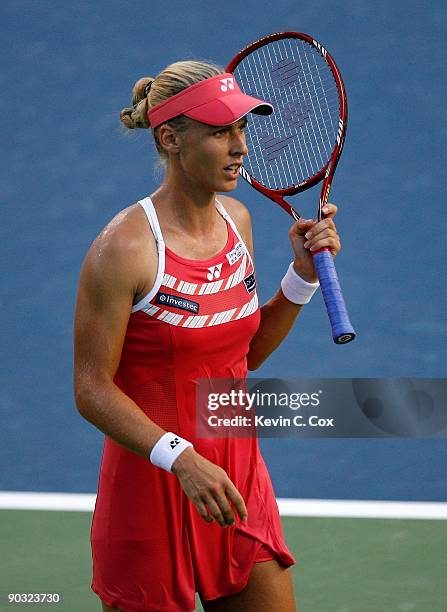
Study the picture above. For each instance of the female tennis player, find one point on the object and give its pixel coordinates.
(167, 296)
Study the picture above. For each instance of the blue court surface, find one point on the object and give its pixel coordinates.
(68, 167)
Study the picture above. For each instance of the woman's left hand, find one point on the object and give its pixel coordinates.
(308, 235)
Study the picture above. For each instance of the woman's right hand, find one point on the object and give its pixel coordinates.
(207, 485)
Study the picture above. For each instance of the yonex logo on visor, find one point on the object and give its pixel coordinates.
(215, 101)
(227, 84)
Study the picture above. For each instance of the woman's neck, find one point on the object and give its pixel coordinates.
(183, 206)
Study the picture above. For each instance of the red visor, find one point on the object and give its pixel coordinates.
(216, 101)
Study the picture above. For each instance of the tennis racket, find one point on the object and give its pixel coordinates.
(300, 144)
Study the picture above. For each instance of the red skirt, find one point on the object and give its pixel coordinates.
(151, 549)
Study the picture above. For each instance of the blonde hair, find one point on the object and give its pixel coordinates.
(149, 91)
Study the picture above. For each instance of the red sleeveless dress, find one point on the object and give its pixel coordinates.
(151, 549)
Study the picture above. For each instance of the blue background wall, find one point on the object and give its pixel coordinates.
(68, 167)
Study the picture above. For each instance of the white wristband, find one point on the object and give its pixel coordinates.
(167, 449)
(296, 289)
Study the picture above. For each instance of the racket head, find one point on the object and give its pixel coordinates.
(300, 143)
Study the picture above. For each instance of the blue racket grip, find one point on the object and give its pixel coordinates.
(342, 330)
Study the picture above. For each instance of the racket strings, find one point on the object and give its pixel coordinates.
(315, 101)
(314, 144)
(296, 141)
(295, 144)
(306, 151)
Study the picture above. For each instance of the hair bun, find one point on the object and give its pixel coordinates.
(136, 116)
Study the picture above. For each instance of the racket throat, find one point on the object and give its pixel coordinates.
(275, 197)
(295, 214)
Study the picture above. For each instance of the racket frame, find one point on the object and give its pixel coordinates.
(342, 329)
(327, 172)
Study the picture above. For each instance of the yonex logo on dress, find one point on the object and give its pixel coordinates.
(173, 443)
(227, 84)
(214, 272)
(177, 302)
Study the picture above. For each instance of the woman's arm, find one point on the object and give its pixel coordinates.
(277, 318)
(279, 314)
(109, 280)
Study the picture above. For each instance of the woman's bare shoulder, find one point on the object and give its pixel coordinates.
(126, 234)
(238, 212)
(125, 248)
